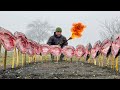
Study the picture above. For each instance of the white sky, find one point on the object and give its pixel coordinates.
(18, 20)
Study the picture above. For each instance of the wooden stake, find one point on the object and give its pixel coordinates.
(117, 64)
(43, 58)
(4, 61)
(65, 58)
(102, 60)
(32, 58)
(94, 61)
(35, 58)
(46, 57)
(18, 55)
(0, 49)
(82, 59)
(71, 59)
(40, 57)
(57, 58)
(14, 57)
(78, 59)
(99, 60)
(108, 61)
(23, 59)
(29, 59)
(113, 63)
(89, 60)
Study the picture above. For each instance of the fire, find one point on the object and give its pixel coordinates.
(77, 30)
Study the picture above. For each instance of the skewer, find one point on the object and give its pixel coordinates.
(35, 58)
(94, 61)
(71, 59)
(14, 57)
(4, 61)
(65, 58)
(0, 49)
(108, 61)
(29, 59)
(78, 59)
(102, 60)
(18, 55)
(23, 59)
(113, 63)
(57, 58)
(99, 60)
(89, 60)
(41, 57)
(45, 58)
(82, 59)
(117, 65)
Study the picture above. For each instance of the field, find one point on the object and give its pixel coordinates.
(46, 69)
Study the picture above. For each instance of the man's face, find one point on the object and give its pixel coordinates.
(58, 34)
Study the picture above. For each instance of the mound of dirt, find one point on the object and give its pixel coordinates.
(61, 70)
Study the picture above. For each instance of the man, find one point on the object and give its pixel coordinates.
(58, 39)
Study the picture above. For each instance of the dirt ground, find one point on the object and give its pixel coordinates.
(61, 70)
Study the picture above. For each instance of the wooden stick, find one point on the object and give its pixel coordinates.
(4, 61)
(23, 59)
(117, 64)
(113, 63)
(14, 57)
(43, 58)
(29, 59)
(57, 58)
(65, 58)
(82, 59)
(99, 60)
(35, 58)
(0, 50)
(46, 57)
(71, 59)
(89, 60)
(108, 61)
(102, 60)
(18, 55)
(94, 61)
(78, 59)
(40, 57)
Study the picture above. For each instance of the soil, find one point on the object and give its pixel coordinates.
(60, 70)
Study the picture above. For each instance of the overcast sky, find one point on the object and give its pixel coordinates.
(18, 20)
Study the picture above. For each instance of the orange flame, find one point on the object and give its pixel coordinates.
(77, 30)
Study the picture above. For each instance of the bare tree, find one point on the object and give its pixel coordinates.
(39, 31)
(110, 28)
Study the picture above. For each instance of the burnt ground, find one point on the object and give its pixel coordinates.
(61, 70)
